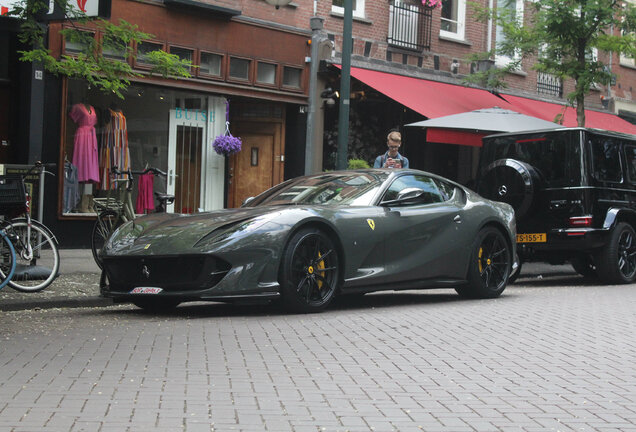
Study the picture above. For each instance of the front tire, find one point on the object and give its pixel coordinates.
(309, 271)
(489, 267)
(37, 270)
(616, 261)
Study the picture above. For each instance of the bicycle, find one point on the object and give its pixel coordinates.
(112, 212)
(37, 258)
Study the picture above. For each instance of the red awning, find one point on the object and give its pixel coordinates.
(454, 136)
(429, 98)
(548, 111)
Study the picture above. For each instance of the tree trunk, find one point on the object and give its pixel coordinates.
(580, 110)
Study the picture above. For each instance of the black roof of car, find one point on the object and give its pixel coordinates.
(565, 129)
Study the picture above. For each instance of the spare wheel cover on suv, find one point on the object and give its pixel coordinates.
(509, 181)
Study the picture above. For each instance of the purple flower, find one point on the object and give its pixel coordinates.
(227, 145)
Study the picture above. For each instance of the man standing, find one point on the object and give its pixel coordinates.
(392, 158)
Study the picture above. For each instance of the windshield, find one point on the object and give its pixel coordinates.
(350, 189)
(556, 156)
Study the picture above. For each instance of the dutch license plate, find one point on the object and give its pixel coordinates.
(146, 290)
(532, 238)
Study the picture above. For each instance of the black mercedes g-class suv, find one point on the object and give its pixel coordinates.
(574, 193)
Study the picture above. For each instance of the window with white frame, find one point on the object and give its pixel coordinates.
(453, 19)
(515, 10)
(337, 6)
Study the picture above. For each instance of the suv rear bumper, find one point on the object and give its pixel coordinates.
(570, 241)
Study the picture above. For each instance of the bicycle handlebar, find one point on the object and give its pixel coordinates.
(153, 170)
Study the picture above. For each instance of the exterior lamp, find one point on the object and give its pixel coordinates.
(278, 3)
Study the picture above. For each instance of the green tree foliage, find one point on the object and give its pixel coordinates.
(561, 35)
(90, 64)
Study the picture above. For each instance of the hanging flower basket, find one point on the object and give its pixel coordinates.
(432, 4)
(227, 144)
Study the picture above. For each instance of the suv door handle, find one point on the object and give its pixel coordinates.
(457, 219)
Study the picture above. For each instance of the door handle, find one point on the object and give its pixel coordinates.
(457, 219)
(170, 177)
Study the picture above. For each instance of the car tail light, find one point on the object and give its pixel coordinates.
(581, 221)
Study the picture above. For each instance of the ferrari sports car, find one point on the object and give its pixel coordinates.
(311, 238)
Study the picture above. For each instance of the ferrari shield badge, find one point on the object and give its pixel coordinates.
(147, 246)
(371, 223)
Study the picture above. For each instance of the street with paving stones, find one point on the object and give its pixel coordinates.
(552, 354)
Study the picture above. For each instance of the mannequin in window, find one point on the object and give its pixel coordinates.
(85, 143)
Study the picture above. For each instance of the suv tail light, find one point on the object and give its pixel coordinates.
(581, 221)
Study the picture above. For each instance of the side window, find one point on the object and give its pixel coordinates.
(412, 185)
(606, 164)
(630, 158)
(446, 189)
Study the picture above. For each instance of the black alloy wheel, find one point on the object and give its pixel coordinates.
(309, 273)
(489, 268)
(616, 262)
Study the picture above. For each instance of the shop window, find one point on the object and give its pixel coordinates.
(453, 19)
(184, 54)
(76, 42)
(113, 50)
(513, 9)
(210, 64)
(239, 68)
(291, 77)
(145, 48)
(266, 73)
(102, 130)
(358, 7)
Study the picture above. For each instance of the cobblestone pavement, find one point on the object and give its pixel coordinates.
(552, 354)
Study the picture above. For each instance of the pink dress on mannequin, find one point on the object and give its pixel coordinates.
(85, 144)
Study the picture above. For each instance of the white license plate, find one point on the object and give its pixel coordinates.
(146, 290)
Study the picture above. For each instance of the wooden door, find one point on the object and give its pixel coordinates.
(259, 165)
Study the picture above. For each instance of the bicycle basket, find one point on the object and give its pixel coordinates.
(12, 194)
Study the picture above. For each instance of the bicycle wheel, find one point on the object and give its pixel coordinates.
(107, 222)
(7, 260)
(35, 271)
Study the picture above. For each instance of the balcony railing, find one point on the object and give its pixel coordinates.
(549, 84)
(409, 25)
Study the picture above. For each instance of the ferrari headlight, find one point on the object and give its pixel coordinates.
(235, 230)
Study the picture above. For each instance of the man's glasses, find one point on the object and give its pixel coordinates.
(394, 147)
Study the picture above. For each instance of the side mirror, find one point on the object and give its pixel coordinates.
(247, 200)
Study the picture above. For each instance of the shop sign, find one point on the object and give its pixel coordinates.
(92, 8)
(194, 114)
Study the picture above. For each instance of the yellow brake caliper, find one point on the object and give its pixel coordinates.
(481, 267)
(320, 266)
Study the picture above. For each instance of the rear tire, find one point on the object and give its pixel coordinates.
(616, 261)
(489, 266)
(309, 271)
